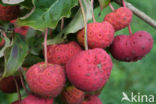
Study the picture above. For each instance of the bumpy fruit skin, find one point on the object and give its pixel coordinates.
(31, 99)
(46, 81)
(23, 30)
(62, 53)
(92, 100)
(7, 85)
(120, 18)
(100, 35)
(2, 43)
(8, 13)
(131, 47)
(72, 95)
(89, 70)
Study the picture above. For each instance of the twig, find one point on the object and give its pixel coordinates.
(45, 46)
(18, 91)
(92, 3)
(85, 25)
(139, 13)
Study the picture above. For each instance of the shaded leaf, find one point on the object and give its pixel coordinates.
(14, 56)
(47, 13)
(104, 3)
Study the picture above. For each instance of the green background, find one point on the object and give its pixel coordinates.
(138, 77)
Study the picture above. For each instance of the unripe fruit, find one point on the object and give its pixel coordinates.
(62, 53)
(120, 18)
(31, 99)
(72, 95)
(131, 47)
(46, 80)
(7, 85)
(92, 100)
(8, 13)
(100, 35)
(89, 70)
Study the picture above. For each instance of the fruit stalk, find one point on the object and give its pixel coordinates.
(92, 3)
(62, 24)
(85, 25)
(18, 91)
(110, 5)
(22, 82)
(45, 46)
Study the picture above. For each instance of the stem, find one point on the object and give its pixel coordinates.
(111, 6)
(45, 47)
(22, 82)
(123, 3)
(62, 24)
(18, 91)
(85, 25)
(92, 3)
(130, 30)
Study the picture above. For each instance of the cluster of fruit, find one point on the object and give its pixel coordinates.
(85, 71)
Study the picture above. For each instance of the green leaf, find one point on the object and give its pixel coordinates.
(77, 22)
(7, 44)
(104, 3)
(47, 13)
(75, 25)
(14, 56)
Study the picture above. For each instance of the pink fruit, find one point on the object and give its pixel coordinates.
(31, 99)
(89, 70)
(23, 30)
(72, 95)
(46, 80)
(131, 47)
(92, 100)
(120, 18)
(61, 53)
(2, 42)
(8, 13)
(100, 35)
(7, 85)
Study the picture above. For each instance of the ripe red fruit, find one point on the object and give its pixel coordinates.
(61, 53)
(89, 70)
(131, 47)
(23, 30)
(8, 13)
(100, 35)
(92, 100)
(2, 42)
(72, 95)
(7, 85)
(120, 18)
(31, 99)
(46, 80)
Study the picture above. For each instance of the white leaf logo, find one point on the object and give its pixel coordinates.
(125, 97)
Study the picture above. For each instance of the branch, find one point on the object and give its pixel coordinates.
(139, 13)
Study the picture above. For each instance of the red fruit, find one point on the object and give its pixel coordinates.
(120, 18)
(2, 42)
(89, 70)
(131, 47)
(46, 80)
(61, 53)
(7, 85)
(72, 95)
(92, 100)
(31, 99)
(8, 13)
(23, 30)
(100, 35)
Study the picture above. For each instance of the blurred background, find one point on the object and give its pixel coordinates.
(138, 77)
